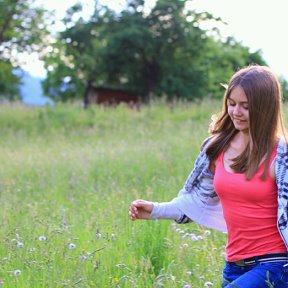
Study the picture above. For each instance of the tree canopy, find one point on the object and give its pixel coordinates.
(22, 28)
(160, 52)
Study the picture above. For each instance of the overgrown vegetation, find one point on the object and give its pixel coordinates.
(67, 177)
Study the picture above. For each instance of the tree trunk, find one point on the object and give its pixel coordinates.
(86, 93)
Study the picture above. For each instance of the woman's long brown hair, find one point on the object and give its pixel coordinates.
(264, 96)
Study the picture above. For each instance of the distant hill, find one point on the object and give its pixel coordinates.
(31, 90)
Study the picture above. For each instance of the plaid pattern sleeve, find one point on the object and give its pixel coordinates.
(282, 185)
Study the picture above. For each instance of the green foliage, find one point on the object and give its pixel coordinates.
(8, 81)
(223, 59)
(160, 52)
(77, 58)
(22, 29)
(284, 86)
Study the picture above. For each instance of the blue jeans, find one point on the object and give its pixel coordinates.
(260, 275)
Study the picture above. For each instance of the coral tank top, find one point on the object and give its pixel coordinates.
(250, 211)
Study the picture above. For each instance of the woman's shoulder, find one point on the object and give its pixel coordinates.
(207, 141)
(282, 146)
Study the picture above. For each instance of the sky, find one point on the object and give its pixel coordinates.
(260, 25)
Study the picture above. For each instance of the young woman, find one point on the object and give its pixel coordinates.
(240, 175)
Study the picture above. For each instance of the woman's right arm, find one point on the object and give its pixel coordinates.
(142, 209)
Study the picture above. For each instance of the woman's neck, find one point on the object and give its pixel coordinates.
(239, 142)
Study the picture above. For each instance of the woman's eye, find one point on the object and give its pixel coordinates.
(230, 103)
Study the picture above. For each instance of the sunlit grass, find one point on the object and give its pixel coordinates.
(67, 176)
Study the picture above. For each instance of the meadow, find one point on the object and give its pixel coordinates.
(67, 177)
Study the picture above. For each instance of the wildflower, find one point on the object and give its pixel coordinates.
(194, 238)
(188, 273)
(223, 254)
(185, 245)
(187, 286)
(20, 244)
(83, 257)
(98, 235)
(71, 246)
(17, 272)
(207, 232)
(32, 250)
(208, 284)
(199, 237)
(42, 238)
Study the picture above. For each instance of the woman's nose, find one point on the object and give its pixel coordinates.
(237, 110)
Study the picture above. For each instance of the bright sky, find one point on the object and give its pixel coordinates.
(257, 24)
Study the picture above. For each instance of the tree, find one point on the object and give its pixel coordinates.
(22, 28)
(284, 86)
(222, 59)
(8, 81)
(160, 52)
(75, 62)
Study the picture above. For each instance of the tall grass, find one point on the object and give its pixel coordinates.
(67, 176)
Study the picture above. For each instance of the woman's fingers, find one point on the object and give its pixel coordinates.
(133, 212)
(140, 209)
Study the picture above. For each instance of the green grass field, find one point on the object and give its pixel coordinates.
(67, 177)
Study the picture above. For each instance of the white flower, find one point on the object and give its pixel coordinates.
(199, 237)
(187, 286)
(17, 272)
(207, 232)
(20, 244)
(98, 235)
(42, 238)
(71, 246)
(208, 284)
(188, 273)
(32, 250)
(83, 257)
(174, 225)
(194, 238)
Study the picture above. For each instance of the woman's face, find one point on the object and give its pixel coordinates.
(238, 111)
